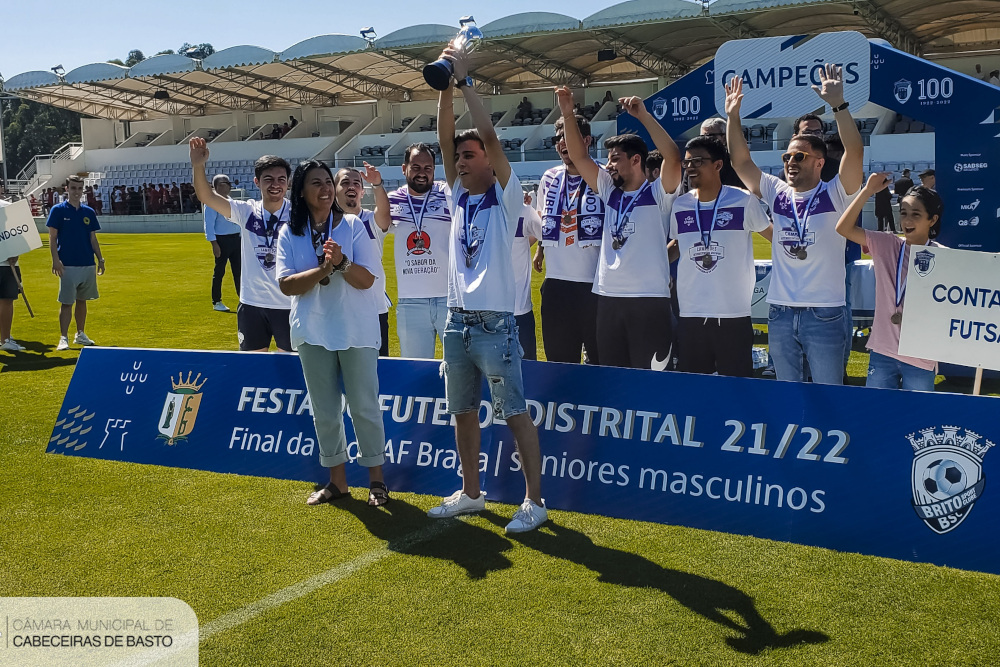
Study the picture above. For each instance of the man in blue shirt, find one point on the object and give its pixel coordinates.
(225, 239)
(73, 243)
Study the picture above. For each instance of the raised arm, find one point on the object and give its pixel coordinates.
(852, 169)
(206, 195)
(578, 152)
(374, 178)
(670, 171)
(739, 152)
(847, 225)
(446, 135)
(481, 119)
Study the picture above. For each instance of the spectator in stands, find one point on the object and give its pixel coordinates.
(715, 128)
(134, 202)
(91, 199)
(653, 162)
(883, 211)
(73, 244)
(175, 198)
(569, 246)
(806, 294)
(995, 77)
(275, 131)
(419, 217)
(715, 272)
(284, 129)
(225, 239)
(164, 199)
(10, 275)
(524, 109)
(118, 200)
(979, 73)
(293, 120)
(632, 281)
(903, 185)
(264, 308)
(810, 124)
(608, 97)
(36, 206)
(98, 203)
(485, 199)
(350, 188)
(324, 257)
(928, 179)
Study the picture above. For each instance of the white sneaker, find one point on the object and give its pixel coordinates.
(82, 339)
(221, 307)
(11, 345)
(458, 503)
(528, 517)
(63, 343)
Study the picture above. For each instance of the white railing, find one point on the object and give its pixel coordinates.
(67, 151)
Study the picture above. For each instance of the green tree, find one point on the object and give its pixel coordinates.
(135, 56)
(205, 48)
(32, 128)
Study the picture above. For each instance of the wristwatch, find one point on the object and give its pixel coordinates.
(840, 108)
(467, 81)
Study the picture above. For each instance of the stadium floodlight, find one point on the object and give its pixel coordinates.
(369, 35)
(59, 70)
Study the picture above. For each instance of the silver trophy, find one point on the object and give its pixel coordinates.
(438, 73)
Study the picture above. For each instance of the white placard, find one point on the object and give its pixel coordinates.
(18, 233)
(952, 307)
(778, 72)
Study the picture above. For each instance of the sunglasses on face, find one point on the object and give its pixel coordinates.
(797, 156)
(557, 138)
(815, 133)
(693, 162)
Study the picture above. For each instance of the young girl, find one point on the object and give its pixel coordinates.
(920, 218)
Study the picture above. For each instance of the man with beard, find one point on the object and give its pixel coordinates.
(633, 275)
(263, 310)
(572, 220)
(418, 215)
(806, 294)
(714, 225)
(350, 187)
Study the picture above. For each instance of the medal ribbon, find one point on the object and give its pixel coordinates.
(271, 224)
(469, 246)
(900, 283)
(624, 212)
(801, 226)
(706, 237)
(418, 221)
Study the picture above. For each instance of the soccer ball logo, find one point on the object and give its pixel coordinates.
(944, 478)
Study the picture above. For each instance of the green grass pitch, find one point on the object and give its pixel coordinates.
(275, 582)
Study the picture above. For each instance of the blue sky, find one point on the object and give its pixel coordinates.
(40, 35)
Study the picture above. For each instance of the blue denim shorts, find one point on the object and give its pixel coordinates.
(480, 343)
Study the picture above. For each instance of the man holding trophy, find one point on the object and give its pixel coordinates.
(480, 339)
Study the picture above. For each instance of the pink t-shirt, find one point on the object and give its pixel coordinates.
(884, 248)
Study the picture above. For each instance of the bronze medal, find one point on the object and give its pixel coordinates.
(468, 261)
(801, 253)
(269, 258)
(567, 218)
(707, 261)
(616, 244)
(897, 318)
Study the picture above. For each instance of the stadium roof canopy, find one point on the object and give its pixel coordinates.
(644, 39)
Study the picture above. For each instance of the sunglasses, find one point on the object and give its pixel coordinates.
(693, 163)
(815, 133)
(797, 156)
(557, 138)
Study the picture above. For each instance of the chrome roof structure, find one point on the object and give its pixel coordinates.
(633, 40)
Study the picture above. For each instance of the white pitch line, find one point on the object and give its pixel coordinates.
(288, 594)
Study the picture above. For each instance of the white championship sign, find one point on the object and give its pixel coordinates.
(18, 233)
(778, 72)
(952, 307)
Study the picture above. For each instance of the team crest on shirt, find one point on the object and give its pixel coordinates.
(86, 220)
(706, 259)
(264, 247)
(478, 233)
(725, 217)
(418, 243)
(791, 244)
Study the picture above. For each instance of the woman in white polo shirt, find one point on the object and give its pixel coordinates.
(324, 263)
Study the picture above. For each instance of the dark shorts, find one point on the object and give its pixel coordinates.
(716, 345)
(257, 326)
(8, 284)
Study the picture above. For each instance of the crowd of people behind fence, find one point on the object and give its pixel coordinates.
(145, 199)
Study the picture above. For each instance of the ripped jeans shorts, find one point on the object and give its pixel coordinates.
(480, 343)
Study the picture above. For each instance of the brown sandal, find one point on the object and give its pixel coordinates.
(378, 494)
(328, 493)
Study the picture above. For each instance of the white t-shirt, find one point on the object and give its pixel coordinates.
(421, 258)
(817, 280)
(723, 288)
(639, 268)
(567, 259)
(484, 280)
(4, 202)
(258, 282)
(377, 237)
(335, 316)
(529, 226)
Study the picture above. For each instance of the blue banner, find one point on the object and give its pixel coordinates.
(888, 473)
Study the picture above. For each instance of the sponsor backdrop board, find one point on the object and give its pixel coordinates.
(18, 233)
(952, 307)
(889, 473)
(960, 110)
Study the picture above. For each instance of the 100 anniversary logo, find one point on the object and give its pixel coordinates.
(181, 408)
(947, 475)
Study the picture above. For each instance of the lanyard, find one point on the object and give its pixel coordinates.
(470, 247)
(624, 212)
(564, 195)
(269, 229)
(900, 283)
(320, 238)
(418, 220)
(801, 226)
(706, 237)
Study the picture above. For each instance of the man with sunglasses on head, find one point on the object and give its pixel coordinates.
(263, 310)
(225, 239)
(632, 281)
(806, 293)
(572, 219)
